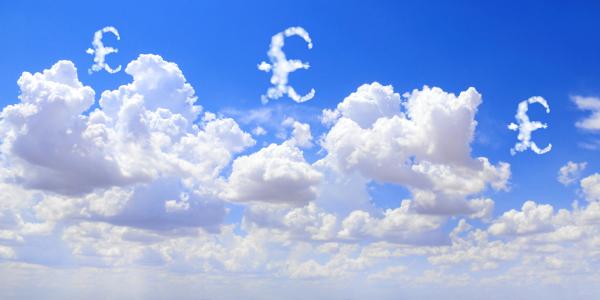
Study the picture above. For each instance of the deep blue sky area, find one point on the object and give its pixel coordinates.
(509, 52)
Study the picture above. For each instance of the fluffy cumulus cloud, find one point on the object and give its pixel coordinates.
(48, 141)
(274, 174)
(140, 132)
(532, 218)
(366, 105)
(420, 141)
(402, 224)
(145, 179)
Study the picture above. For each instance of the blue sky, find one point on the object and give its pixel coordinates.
(507, 51)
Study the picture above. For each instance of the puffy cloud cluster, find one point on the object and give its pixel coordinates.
(421, 142)
(301, 135)
(402, 225)
(138, 159)
(48, 141)
(307, 223)
(274, 174)
(591, 187)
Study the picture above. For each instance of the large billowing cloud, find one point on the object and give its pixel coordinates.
(139, 159)
(591, 187)
(48, 141)
(421, 142)
(526, 127)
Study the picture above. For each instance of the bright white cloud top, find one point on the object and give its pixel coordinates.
(281, 67)
(100, 51)
(525, 127)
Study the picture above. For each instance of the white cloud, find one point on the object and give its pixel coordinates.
(481, 208)
(590, 123)
(593, 144)
(474, 249)
(591, 187)
(400, 225)
(100, 51)
(49, 140)
(369, 103)
(281, 67)
(154, 80)
(152, 206)
(329, 116)
(343, 193)
(591, 104)
(141, 131)
(425, 147)
(275, 174)
(319, 224)
(301, 135)
(138, 160)
(532, 218)
(308, 222)
(388, 273)
(7, 253)
(259, 131)
(526, 127)
(570, 172)
(139, 182)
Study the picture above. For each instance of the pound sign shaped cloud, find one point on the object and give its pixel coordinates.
(525, 127)
(281, 67)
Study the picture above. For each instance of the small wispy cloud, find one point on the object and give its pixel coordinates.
(591, 104)
(570, 172)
